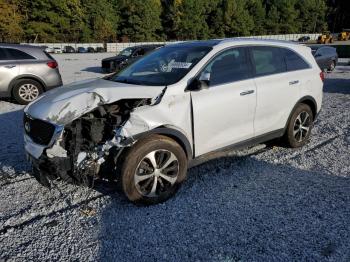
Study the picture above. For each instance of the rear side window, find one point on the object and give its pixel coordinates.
(3, 54)
(49, 56)
(229, 66)
(18, 54)
(294, 61)
(268, 60)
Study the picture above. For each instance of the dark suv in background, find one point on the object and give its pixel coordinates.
(26, 72)
(325, 56)
(126, 57)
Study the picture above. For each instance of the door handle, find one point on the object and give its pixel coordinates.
(294, 82)
(10, 66)
(247, 92)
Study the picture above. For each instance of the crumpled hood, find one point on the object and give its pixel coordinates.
(64, 104)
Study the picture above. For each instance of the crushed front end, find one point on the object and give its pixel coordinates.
(81, 151)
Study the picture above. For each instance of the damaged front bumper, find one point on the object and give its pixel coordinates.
(45, 168)
(78, 151)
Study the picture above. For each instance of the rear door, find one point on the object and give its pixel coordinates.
(223, 114)
(277, 90)
(9, 69)
(27, 63)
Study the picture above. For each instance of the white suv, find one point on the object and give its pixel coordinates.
(146, 124)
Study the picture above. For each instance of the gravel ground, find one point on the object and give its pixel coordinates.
(263, 203)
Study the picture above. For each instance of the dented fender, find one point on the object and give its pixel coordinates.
(63, 105)
(163, 118)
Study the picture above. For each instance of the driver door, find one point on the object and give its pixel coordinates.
(223, 113)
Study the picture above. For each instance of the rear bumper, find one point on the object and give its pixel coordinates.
(53, 80)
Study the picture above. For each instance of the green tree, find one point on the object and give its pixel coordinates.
(258, 14)
(232, 19)
(140, 20)
(190, 19)
(282, 17)
(53, 20)
(312, 15)
(10, 21)
(100, 21)
(273, 21)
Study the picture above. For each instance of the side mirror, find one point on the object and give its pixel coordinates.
(317, 55)
(205, 77)
(197, 85)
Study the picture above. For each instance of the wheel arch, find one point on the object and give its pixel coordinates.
(21, 77)
(308, 100)
(172, 133)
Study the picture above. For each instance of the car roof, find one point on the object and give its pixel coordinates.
(20, 46)
(33, 50)
(234, 41)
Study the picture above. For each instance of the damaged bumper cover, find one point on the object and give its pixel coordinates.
(77, 132)
(80, 149)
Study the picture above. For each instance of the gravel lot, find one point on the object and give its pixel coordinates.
(263, 203)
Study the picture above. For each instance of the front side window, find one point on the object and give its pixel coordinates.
(294, 61)
(18, 54)
(229, 66)
(164, 66)
(139, 52)
(268, 60)
(127, 51)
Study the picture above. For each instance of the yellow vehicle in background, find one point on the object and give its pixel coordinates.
(344, 35)
(325, 38)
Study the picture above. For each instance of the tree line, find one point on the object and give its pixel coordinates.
(159, 20)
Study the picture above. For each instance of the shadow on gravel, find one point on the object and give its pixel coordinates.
(11, 143)
(235, 208)
(334, 85)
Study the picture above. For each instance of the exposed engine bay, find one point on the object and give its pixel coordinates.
(88, 147)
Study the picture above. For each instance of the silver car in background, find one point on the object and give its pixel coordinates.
(26, 72)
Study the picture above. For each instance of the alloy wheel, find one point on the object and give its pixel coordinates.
(301, 126)
(156, 173)
(28, 92)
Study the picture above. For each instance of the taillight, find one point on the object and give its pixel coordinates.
(322, 76)
(52, 64)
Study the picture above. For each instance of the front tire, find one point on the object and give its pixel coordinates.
(153, 170)
(26, 91)
(299, 126)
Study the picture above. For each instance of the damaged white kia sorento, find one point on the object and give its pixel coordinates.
(145, 125)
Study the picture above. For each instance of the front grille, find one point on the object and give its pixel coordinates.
(39, 131)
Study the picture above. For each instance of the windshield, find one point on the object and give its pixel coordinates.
(164, 66)
(126, 51)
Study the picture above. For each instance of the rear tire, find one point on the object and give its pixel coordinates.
(26, 91)
(153, 170)
(299, 126)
